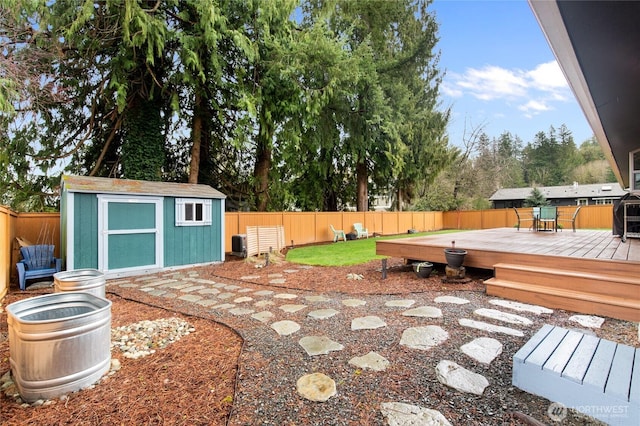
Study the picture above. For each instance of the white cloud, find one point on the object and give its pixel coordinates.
(534, 107)
(492, 82)
(536, 90)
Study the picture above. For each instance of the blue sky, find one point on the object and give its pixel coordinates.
(501, 73)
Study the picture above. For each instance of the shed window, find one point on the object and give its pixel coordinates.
(193, 212)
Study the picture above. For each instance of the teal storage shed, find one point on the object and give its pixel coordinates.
(128, 227)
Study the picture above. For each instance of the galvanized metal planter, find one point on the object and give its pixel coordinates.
(58, 343)
(85, 280)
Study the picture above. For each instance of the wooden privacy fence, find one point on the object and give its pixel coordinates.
(299, 227)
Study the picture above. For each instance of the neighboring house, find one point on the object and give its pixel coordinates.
(567, 195)
(131, 227)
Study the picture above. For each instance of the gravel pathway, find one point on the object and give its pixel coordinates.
(324, 341)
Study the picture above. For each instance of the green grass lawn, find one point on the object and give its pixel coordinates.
(346, 253)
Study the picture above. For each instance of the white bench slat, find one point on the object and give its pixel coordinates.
(577, 366)
(634, 392)
(594, 365)
(621, 369)
(532, 343)
(563, 352)
(543, 351)
(598, 370)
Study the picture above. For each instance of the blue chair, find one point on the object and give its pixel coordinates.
(37, 262)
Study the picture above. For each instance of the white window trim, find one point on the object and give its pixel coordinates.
(180, 212)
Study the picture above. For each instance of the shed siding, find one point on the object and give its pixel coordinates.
(184, 245)
(85, 223)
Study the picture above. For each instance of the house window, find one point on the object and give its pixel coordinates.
(600, 201)
(582, 202)
(193, 212)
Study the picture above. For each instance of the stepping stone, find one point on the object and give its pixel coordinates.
(243, 299)
(209, 291)
(241, 311)
(169, 295)
(155, 292)
(146, 289)
(406, 303)
(292, 308)
(224, 306)
(503, 316)
(286, 327)
(192, 288)
(423, 338)
(274, 275)
(263, 316)
(451, 299)
(322, 313)
(278, 281)
(250, 277)
(453, 375)
(319, 345)
(401, 414)
(263, 303)
(219, 285)
(263, 293)
(178, 286)
(207, 302)
(316, 387)
(190, 297)
(285, 296)
(489, 327)
(290, 271)
(590, 321)
(317, 299)
(372, 361)
(367, 323)
(129, 285)
(226, 295)
(245, 290)
(483, 349)
(424, 312)
(522, 307)
(353, 302)
(231, 287)
(201, 281)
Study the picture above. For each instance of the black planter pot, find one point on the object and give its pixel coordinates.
(422, 269)
(455, 257)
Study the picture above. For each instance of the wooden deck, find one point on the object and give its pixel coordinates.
(585, 271)
(595, 376)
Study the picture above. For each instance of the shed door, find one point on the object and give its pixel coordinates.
(130, 233)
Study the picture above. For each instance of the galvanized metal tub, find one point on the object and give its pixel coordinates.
(85, 280)
(58, 343)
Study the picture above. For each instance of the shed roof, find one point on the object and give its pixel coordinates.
(597, 190)
(101, 185)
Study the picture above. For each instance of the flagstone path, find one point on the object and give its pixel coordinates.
(290, 314)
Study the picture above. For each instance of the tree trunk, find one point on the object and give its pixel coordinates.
(196, 135)
(362, 180)
(263, 163)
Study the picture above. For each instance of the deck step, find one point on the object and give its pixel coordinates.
(589, 282)
(595, 376)
(626, 308)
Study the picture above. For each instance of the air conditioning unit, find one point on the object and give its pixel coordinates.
(239, 245)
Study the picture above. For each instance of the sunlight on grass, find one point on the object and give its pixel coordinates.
(346, 253)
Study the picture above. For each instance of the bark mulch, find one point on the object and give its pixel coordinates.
(228, 373)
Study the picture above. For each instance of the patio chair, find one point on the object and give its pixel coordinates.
(524, 219)
(360, 231)
(548, 216)
(572, 219)
(337, 234)
(37, 262)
